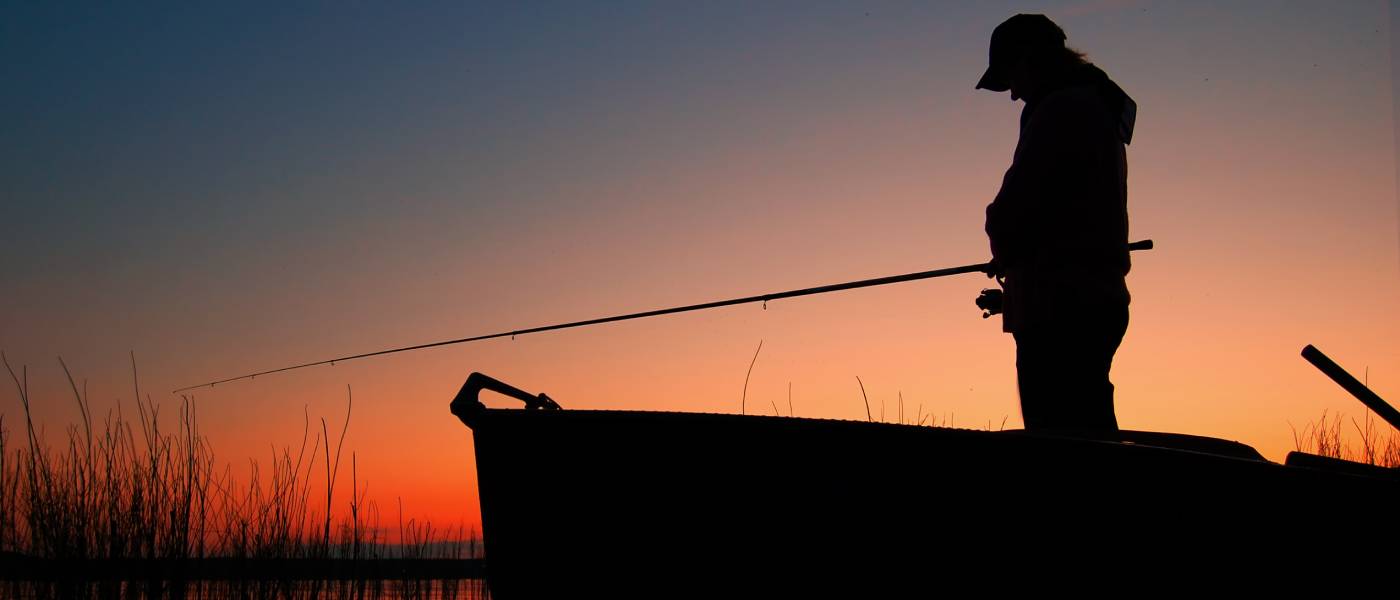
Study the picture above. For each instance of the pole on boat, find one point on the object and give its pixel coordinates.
(821, 289)
(1350, 384)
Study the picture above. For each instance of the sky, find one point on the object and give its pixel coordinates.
(232, 188)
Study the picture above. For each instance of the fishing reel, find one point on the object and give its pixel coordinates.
(990, 302)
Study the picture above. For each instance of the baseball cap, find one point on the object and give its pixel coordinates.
(1016, 37)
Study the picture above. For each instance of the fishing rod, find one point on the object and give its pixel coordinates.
(764, 298)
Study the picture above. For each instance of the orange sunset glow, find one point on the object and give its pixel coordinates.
(224, 192)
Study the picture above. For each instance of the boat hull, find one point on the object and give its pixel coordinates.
(570, 495)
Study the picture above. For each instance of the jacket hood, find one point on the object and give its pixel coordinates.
(1119, 104)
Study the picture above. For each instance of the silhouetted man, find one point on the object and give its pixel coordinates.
(1059, 226)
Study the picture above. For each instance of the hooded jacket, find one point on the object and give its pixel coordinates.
(1059, 225)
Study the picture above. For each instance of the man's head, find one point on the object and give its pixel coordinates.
(1020, 46)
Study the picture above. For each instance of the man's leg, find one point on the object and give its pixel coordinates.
(1062, 370)
(1027, 380)
(1088, 389)
(1037, 379)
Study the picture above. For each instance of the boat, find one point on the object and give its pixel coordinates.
(722, 502)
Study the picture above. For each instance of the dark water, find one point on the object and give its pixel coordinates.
(458, 589)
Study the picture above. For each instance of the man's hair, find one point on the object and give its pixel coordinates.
(1056, 60)
(1061, 57)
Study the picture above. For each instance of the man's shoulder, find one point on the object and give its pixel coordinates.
(1077, 101)
(1076, 112)
(1092, 100)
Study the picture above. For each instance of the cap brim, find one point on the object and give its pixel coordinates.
(992, 81)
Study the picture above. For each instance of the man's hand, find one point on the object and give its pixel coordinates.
(993, 269)
(990, 301)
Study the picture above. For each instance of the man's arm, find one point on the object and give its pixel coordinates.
(1050, 162)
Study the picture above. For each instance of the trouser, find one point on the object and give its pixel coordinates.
(1062, 371)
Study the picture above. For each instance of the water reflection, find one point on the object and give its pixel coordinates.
(458, 589)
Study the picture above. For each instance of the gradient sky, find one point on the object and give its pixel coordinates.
(233, 188)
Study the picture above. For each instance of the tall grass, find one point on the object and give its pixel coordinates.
(124, 489)
(1332, 438)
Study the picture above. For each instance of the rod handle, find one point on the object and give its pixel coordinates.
(1351, 385)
